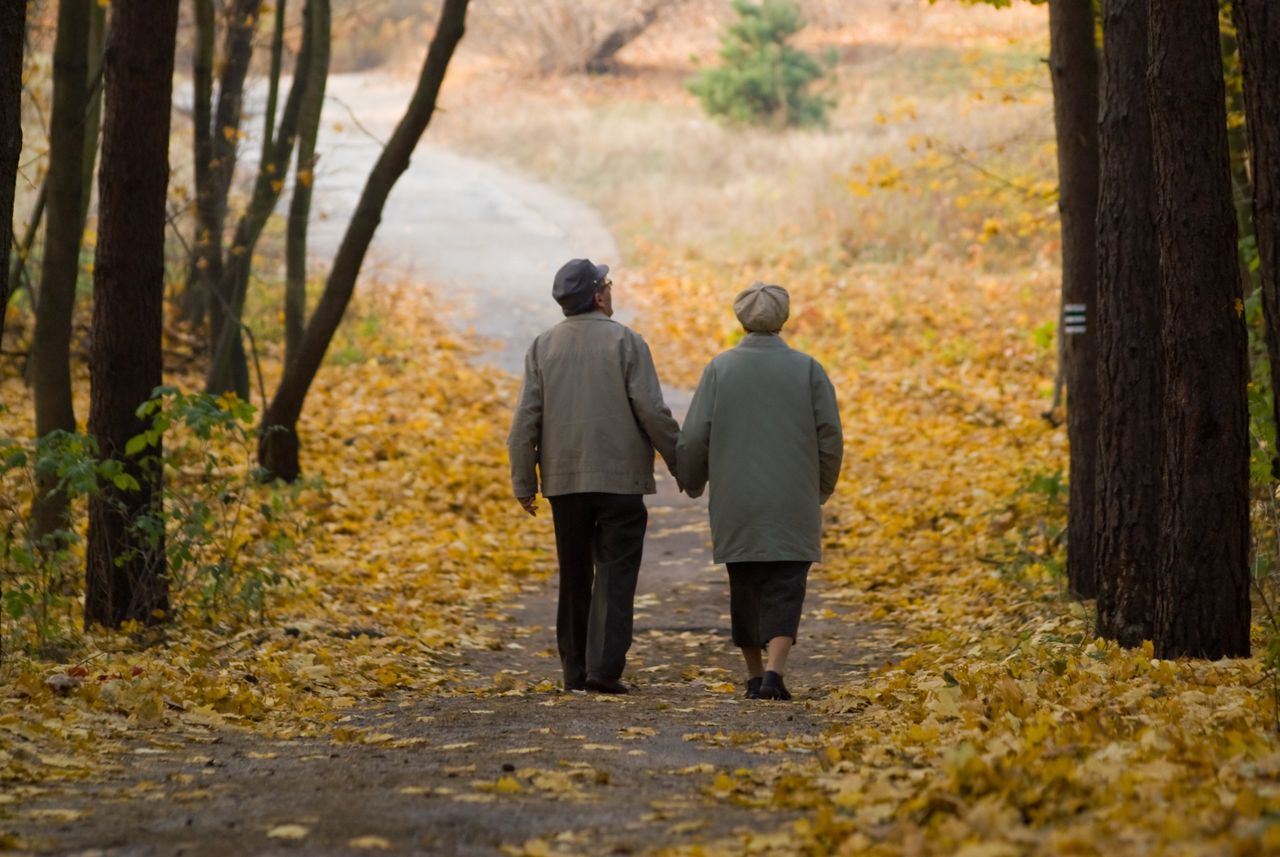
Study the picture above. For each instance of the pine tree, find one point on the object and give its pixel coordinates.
(763, 80)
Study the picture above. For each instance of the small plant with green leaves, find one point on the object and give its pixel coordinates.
(1035, 522)
(226, 533)
(39, 575)
(763, 80)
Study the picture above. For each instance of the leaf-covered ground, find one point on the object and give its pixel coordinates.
(400, 695)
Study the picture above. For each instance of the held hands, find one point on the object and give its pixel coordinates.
(529, 504)
(680, 486)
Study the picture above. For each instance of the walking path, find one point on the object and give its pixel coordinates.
(487, 237)
(498, 758)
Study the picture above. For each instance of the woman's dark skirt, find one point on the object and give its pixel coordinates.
(765, 601)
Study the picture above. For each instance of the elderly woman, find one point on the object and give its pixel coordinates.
(764, 429)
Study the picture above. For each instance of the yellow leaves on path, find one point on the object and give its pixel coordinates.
(288, 832)
(413, 540)
(369, 843)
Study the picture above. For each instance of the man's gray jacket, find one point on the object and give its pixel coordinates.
(764, 428)
(590, 412)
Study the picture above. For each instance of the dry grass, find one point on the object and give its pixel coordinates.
(638, 147)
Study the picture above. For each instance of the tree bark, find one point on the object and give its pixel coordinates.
(1073, 64)
(126, 572)
(1258, 34)
(1130, 374)
(278, 445)
(13, 21)
(295, 287)
(195, 296)
(273, 81)
(211, 206)
(228, 371)
(1202, 584)
(60, 267)
(93, 111)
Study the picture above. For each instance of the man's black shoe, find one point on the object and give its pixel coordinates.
(772, 686)
(600, 684)
(753, 687)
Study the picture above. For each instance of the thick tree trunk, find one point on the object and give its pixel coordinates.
(1130, 373)
(211, 206)
(126, 573)
(295, 286)
(195, 296)
(228, 371)
(278, 447)
(1202, 585)
(1258, 32)
(13, 20)
(1073, 64)
(60, 267)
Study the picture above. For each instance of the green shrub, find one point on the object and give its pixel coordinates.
(763, 80)
(227, 536)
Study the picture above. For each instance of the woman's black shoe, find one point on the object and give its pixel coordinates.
(600, 684)
(772, 687)
(753, 687)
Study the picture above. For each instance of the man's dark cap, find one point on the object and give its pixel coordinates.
(576, 285)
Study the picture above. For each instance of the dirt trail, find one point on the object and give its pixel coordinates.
(499, 758)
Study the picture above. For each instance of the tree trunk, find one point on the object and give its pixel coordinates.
(13, 21)
(125, 569)
(1073, 64)
(1130, 374)
(93, 112)
(60, 267)
(273, 81)
(1258, 32)
(1237, 137)
(603, 57)
(295, 287)
(211, 207)
(18, 266)
(278, 446)
(195, 296)
(1202, 584)
(227, 370)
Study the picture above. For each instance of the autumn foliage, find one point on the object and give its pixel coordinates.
(997, 725)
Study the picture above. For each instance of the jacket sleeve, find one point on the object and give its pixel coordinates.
(826, 416)
(645, 394)
(694, 449)
(525, 437)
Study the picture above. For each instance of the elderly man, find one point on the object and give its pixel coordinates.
(764, 428)
(589, 418)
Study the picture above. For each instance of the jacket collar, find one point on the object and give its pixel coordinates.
(593, 315)
(759, 339)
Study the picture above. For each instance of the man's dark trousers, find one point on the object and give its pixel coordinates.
(599, 542)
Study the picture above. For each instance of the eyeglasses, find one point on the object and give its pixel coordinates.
(604, 284)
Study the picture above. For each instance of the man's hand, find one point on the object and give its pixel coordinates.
(529, 504)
